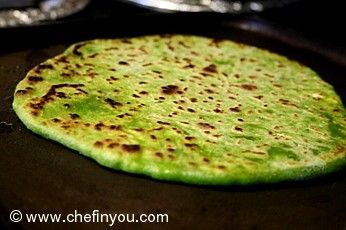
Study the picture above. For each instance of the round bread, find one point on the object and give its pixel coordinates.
(188, 109)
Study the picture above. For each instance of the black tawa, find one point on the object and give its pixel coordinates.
(41, 176)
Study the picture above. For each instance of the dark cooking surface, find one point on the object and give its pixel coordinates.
(40, 176)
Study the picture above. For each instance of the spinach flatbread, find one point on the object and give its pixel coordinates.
(188, 109)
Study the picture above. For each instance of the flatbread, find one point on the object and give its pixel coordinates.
(188, 109)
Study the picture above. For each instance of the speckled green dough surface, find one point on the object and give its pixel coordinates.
(188, 109)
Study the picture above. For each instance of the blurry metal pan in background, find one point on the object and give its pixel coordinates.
(220, 6)
(33, 12)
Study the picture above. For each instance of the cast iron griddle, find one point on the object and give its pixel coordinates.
(41, 176)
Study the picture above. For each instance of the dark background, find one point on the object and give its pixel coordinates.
(317, 25)
(316, 20)
(319, 20)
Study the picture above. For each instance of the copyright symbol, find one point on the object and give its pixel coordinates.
(16, 216)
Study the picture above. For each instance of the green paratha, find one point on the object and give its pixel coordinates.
(188, 109)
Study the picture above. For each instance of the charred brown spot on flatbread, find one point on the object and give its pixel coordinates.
(169, 89)
(131, 148)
